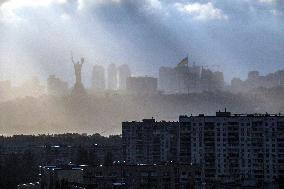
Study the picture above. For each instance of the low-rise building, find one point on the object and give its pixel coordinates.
(121, 176)
(142, 85)
(52, 177)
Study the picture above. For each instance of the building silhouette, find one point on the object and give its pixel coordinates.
(255, 80)
(211, 81)
(123, 73)
(119, 176)
(112, 77)
(185, 78)
(56, 86)
(141, 85)
(227, 147)
(98, 78)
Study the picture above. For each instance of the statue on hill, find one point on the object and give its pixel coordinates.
(78, 69)
(78, 89)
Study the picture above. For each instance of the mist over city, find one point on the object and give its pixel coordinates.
(117, 94)
(38, 38)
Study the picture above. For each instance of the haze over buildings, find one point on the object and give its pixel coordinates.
(189, 78)
(56, 86)
(86, 66)
(112, 77)
(123, 73)
(98, 78)
(194, 89)
(255, 80)
(151, 37)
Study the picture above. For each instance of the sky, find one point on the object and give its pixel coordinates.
(37, 36)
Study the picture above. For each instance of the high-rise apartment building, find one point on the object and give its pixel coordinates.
(112, 77)
(150, 142)
(189, 79)
(98, 78)
(226, 146)
(56, 86)
(123, 73)
(255, 80)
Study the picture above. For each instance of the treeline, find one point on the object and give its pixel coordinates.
(58, 139)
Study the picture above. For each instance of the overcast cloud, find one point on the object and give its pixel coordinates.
(38, 35)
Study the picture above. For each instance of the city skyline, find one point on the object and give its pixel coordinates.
(99, 77)
(37, 36)
(77, 76)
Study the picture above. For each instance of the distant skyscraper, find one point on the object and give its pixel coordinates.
(281, 78)
(55, 86)
(237, 85)
(255, 80)
(98, 78)
(212, 81)
(253, 75)
(112, 77)
(123, 73)
(189, 78)
(142, 85)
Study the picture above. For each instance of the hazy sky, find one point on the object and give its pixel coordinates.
(239, 35)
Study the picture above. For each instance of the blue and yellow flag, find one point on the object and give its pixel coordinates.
(183, 62)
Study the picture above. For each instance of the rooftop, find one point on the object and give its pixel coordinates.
(229, 114)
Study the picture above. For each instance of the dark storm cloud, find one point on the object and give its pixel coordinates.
(134, 23)
(249, 39)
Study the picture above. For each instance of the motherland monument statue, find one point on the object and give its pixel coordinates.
(78, 89)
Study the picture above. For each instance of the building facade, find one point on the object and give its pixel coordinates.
(53, 177)
(226, 146)
(189, 79)
(112, 77)
(56, 86)
(142, 85)
(124, 72)
(98, 78)
(172, 176)
(255, 80)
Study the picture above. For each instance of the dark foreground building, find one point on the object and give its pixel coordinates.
(171, 176)
(228, 147)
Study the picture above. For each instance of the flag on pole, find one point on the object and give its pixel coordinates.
(183, 62)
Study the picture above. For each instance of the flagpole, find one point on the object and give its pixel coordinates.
(187, 73)
(187, 60)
